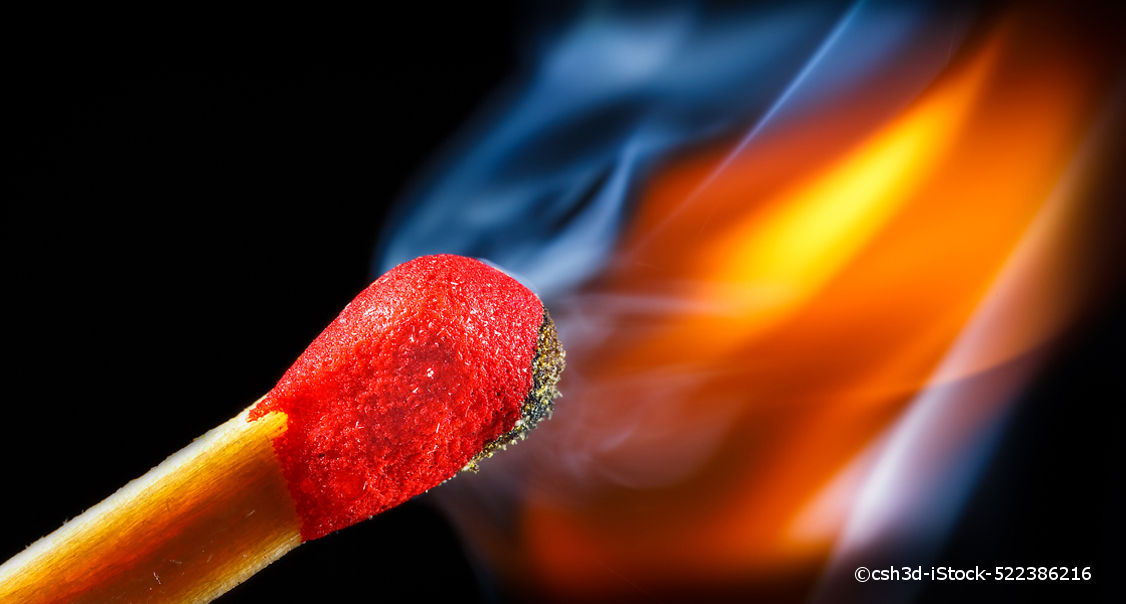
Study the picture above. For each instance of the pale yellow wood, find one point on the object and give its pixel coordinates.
(201, 522)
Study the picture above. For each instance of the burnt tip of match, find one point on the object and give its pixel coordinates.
(547, 368)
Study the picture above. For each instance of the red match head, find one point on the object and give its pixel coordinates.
(429, 367)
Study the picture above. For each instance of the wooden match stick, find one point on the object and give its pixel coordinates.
(190, 529)
(433, 367)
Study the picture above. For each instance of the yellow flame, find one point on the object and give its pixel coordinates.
(815, 229)
(781, 258)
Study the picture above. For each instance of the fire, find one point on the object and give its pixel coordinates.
(803, 260)
(743, 367)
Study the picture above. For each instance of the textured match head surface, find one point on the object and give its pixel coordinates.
(425, 369)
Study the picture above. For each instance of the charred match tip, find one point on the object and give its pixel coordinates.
(547, 367)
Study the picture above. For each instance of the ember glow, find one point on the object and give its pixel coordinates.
(796, 322)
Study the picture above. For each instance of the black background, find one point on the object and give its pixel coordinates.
(186, 213)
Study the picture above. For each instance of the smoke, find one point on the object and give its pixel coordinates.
(545, 186)
(803, 258)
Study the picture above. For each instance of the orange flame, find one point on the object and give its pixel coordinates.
(803, 292)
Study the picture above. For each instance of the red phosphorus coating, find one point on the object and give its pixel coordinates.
(423, 369)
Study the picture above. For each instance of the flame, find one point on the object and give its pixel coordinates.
(818, 309)
(770, 263)
(804, 338)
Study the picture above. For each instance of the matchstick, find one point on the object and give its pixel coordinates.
(436, 365)
(201, 522)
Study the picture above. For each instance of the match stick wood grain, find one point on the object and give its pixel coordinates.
(189, 530)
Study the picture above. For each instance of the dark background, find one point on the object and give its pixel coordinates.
(186, 214)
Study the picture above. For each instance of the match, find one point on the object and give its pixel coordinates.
(436, 365)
